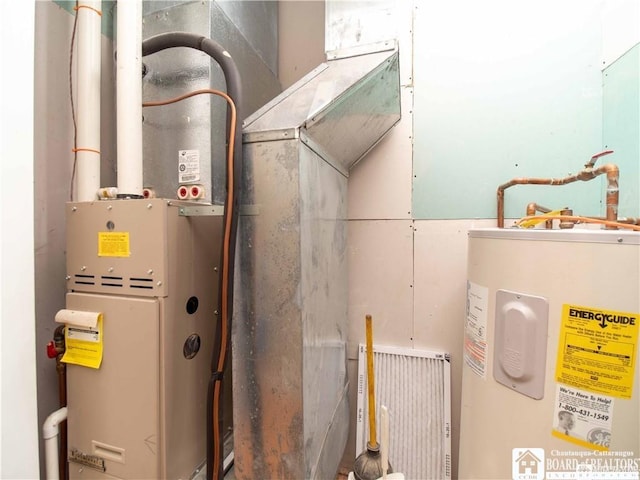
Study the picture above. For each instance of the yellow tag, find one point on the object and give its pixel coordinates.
(539, 218)
(83, 345)
(597, 349)
(113, 244)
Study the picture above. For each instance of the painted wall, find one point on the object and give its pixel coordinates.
(18, 426)
(300, 39)
(507, 89)
(621, 124)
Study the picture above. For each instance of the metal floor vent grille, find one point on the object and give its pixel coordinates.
(415, 386)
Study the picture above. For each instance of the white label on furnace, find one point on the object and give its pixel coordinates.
(475, 329)
(188, 166)
(86, 334)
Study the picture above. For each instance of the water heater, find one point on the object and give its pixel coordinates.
(550, 375)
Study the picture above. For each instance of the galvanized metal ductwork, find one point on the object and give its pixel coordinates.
(182, 141)
(291, 414)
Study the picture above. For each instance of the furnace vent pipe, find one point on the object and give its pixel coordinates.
(612, 172)
(129, 98)
(88, 114)
(50, 429)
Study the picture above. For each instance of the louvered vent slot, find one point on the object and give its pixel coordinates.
(109, 281)
(415, 386)
(82, 279)
(138, 282)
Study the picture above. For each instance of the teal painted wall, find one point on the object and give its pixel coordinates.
(621, 125)
(505, 89)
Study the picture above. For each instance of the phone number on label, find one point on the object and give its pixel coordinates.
(583, 412)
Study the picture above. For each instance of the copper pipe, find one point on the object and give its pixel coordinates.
(585, 175)
(533, 207)
(566, 223)
(625, 220)
(62, 386)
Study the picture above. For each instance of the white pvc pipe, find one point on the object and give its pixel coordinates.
(129, 96)
(88, 106)
(50, 435)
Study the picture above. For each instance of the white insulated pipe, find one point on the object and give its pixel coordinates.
(88, 107)
(129, 96)
(50, 430)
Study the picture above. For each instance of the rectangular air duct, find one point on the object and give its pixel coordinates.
(415, 386)
(291, 414)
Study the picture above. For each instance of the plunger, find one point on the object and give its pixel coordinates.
(368, 465)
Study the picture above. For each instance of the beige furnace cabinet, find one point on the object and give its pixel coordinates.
(150, 268)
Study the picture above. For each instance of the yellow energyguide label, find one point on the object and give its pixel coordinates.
(597, 350)
(113, 244)
(84, 345)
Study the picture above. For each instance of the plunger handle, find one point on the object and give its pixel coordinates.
(370, 385)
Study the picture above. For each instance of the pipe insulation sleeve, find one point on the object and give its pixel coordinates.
(213, 49)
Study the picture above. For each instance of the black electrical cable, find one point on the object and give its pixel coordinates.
(232, 79)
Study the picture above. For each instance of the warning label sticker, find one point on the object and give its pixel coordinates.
(597, 350)
(113, 244)
(475, 329)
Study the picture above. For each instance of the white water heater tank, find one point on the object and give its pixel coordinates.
(550, 384)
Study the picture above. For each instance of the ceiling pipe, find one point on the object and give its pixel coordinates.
(88, 113)
(129, 98)
(588, 173)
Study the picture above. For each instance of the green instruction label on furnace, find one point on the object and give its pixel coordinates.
(597, 350)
